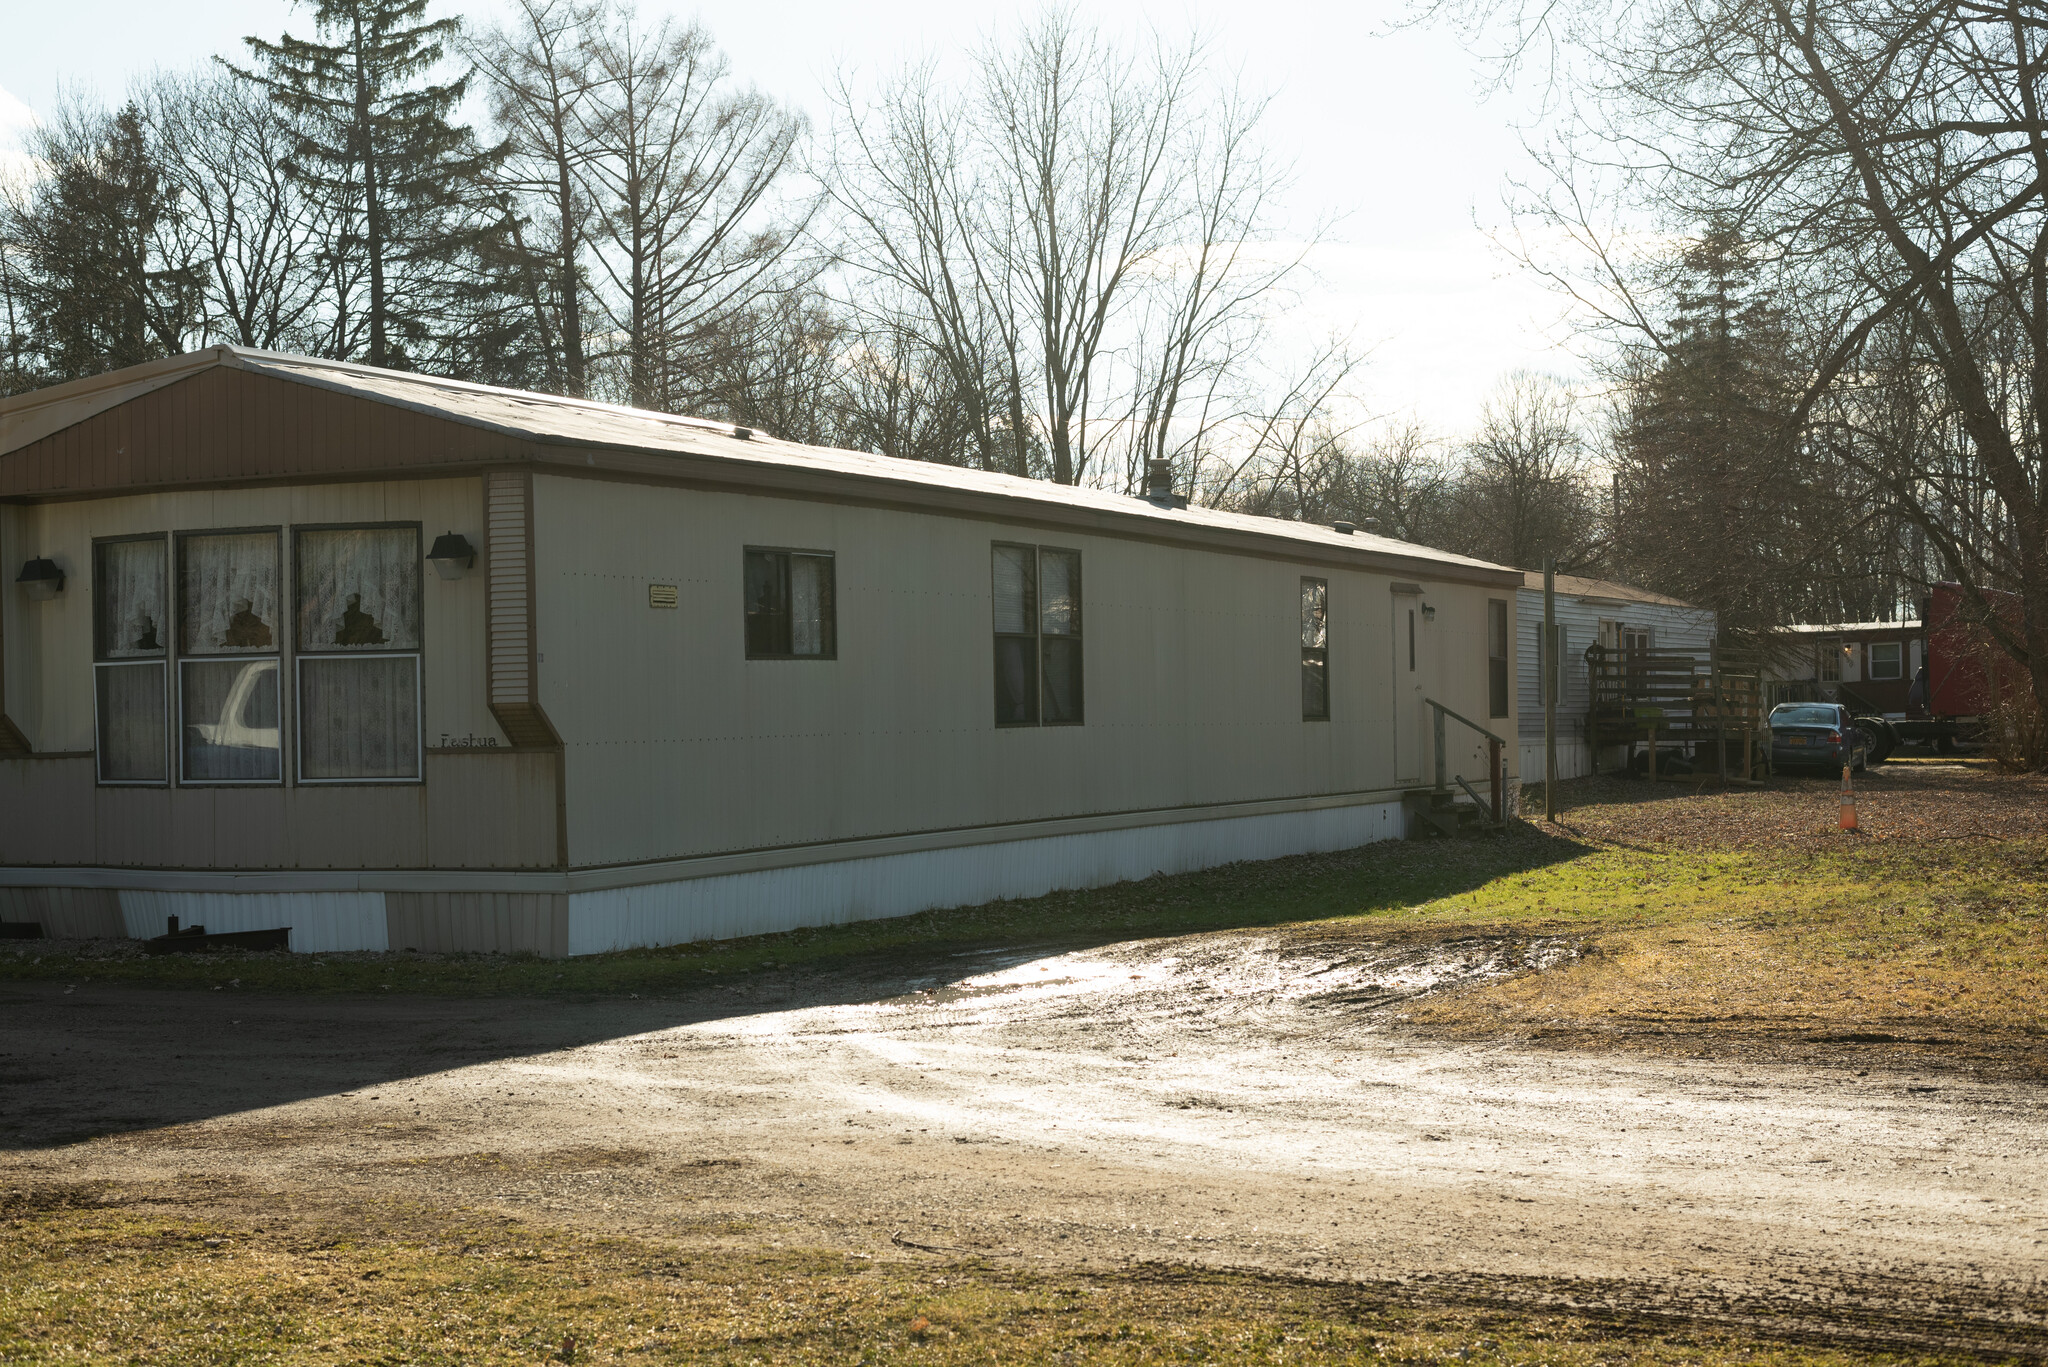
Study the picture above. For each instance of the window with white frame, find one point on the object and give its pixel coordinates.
(1830, 664)
(229, 645)
(1887, 660)
(358, 631)
(131, 653)
(1037, 604)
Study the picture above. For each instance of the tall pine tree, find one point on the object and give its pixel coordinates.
(96, 277)
(377, 144)
(1708, 499)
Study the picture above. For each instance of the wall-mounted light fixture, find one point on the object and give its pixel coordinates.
(41, 579)
(1428, 613)
(452, 555)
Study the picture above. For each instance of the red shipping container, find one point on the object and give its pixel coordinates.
(1959, 650)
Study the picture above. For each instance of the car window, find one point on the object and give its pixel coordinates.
(1804, 716)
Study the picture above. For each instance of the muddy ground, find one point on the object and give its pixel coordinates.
(1237, 1099)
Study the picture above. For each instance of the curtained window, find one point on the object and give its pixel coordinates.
(229, 724)
(790, 611)
(1315, 650)
(358, 617)
(1037, 615)
(131, 637)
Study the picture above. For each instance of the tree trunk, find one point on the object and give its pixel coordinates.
(373, 213)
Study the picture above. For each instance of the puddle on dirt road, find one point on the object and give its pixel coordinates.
(1278, 980)
(1251, 969)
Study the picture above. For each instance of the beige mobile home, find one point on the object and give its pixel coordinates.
(403, 662)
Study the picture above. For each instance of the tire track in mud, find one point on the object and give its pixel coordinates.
(1242, 1100)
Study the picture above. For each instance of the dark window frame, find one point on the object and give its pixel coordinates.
(163, 662)
(1042, 641)
(181, 657)
(418, 530)
(300, 653)
(1315, 660)
(1499, 632)
(830, 619)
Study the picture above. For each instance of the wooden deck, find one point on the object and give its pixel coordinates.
(1709, 704)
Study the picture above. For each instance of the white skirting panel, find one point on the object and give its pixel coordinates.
(321, 922)
(732, 905)
(1574, 760)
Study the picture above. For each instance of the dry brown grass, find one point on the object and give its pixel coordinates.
(111, 1274)
(1746, 921)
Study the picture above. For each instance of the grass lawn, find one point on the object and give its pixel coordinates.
(103, 1274)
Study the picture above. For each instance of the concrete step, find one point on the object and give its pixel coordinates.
(1447, 814)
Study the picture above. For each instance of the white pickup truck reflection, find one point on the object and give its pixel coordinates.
(242, 741)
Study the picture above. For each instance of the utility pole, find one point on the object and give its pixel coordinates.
(1551, 673)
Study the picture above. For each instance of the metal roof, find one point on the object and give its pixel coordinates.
(554, 420)
(1846, 628)
(1608, 589)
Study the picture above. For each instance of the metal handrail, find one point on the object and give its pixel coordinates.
(1493, 757)
(1477, 801)
(1467, 720)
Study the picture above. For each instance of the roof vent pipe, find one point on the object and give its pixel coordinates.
(1158, 479)
(1159, 485)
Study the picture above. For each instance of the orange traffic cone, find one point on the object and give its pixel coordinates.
(1848, 802)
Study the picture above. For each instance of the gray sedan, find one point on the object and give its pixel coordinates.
(1817, 735)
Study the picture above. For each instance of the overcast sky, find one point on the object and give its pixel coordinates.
(1389, 133)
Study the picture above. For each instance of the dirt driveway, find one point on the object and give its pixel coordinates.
(1241, 1099)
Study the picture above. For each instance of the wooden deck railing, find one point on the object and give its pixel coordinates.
(1681, 696)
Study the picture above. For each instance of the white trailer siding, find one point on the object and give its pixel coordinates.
(603, 763)
(1583, 608)
(678, 746)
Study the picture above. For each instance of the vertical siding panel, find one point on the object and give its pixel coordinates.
(160, 427)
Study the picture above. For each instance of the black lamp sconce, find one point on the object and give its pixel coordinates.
(41, 579)
(452, 555)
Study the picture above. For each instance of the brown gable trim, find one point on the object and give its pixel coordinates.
(30, 417)
(227, 425)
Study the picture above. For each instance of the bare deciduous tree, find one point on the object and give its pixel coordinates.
(538, 76)
(1524, 489)
(1078, 236)
(250, 227)
(682, 169)
(1890, 162)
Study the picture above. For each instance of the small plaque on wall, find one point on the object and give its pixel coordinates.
(661, 595)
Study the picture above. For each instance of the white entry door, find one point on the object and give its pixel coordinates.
(1413, 681)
